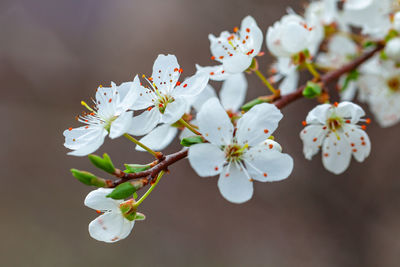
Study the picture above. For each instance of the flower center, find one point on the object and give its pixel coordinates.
(234, 152)
(163, 101)
(394, 84)
(334, 123)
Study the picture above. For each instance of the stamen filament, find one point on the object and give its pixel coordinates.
(312, 70)
(141, 145)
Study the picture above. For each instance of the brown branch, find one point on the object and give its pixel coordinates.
(163, 164)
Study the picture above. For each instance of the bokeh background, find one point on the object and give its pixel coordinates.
(53, 54)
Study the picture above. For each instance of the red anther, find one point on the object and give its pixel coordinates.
(364, 127)
(354, 150)
(212, 73)
(315, 139)
(216, 168)
(180, 70)
(266, 131)
(212, 58)
(221, 57)
(336, 104)
(304, 123)
(178, 83)
(368, 120)
(223, 71)
(230, 55)
(86, 120)
(86, 127)
(160, 105)
(247, 30)
(326, 155)
(185, 85)
(271, 146)
(265, 174)
(69, 129)
(363, 143)
(236, 29)
(99, 212)
(348, 121)
(149, 108)
(109, 101)
(352, 144)
(176, 69)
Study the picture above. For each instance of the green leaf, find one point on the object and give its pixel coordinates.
(122, 191)
(139, 216)
(252, 103)
(135, 196)
(104, 163)
(368, 44)
(133, 168)
(192, 140)
(88, 178)
(312, 90)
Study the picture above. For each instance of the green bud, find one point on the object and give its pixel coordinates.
(252, 103)
(312, 90)
(133, 168)
(125, 190)
(88, 178)
(192, 140)
(139, 216)
(104, 163)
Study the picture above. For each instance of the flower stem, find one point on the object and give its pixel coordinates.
(312, 70)
(190, 127)
(266, 82)
(150, 189)
(141, 145)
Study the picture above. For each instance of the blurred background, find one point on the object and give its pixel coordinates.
(53, 54)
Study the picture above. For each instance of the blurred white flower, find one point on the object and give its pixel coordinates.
(242, 155)
(286, 73)
(110, 115)
(392, 49)
(335, 129)
(235, 51)
(111, 226)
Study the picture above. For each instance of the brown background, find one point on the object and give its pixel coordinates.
(54, 54)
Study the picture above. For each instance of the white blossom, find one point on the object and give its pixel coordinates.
(239, 157)
(235, 51)
(392, 49)
(110, 115)
(286, 73)
(335, 129)
(111, 226)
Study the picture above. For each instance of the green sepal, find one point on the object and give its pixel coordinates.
(104, 163)
(312, 90)
(391, 34)
(123, 191)
(139, 216)
(128, 209)
(252, 103)
(88, 178)
(133, 168)
(192, 140)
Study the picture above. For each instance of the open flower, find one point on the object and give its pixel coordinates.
(286, 73)
(239, 156)
(235, 51)
(111, 226)
(165, 98)
(335, 129)
(110, 115)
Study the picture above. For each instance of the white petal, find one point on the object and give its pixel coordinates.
(206, 159)
(350, 110)
(84, 140)
(97, 200)
(143, 96)
(107, 100)
(121, 125)
(214, 123)
(237, 63)
(268, 165)
(358, 141)
(255, 34)
(216, 73)
(258, 124)
(289, 83)
(110, 227)
(319, 114)
(336, 153)
(127, 95)
(233, 92)
(174, 111)
(198, 101)
(192, 86)
(145, 122)
(159, 138)
(234, 185)
(165, 72)
(312, 137)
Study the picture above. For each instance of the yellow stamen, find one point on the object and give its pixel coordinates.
(83, 103)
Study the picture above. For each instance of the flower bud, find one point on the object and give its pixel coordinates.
(392, 49)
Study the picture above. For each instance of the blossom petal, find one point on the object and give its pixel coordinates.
(233, 92)
(127, 95)
(159, 138)
(258, 124)
(174, 111)
(143, 96)
(318, 114)
(198, 101)
(234, 185)
(312, 137)
(206, 159)
(145, 122)
(165, 72)
(250, 28)
(84, 140)
(289, 83)
(121, 125)
(97, 200)
(336, 153)
(192, 86)
(236, 63)
(350, 110)
(214, 123)
(268, 165)
(217, 73)
(358, 141)
(110, 227)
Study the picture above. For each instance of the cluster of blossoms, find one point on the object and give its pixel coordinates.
(229, 138)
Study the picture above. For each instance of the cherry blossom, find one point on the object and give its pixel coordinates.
(111, 226)
(334, 128)
(165, 98)
(110, 115)
(235, 51)
(239, 156)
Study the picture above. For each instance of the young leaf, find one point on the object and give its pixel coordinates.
(192, 140)
(133, 168)
(312, 90)
(88, 178)
(104, 163)
(139, 216)
(252, 103)
(122, 191)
